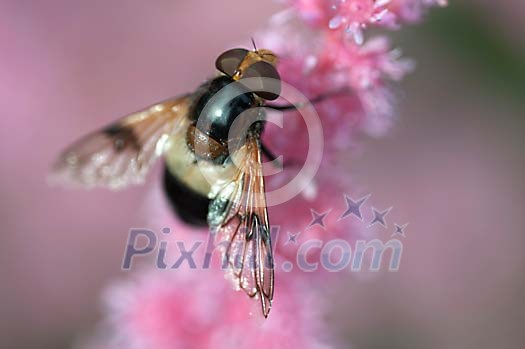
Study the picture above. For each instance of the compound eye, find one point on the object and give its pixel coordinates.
(268, 84)
(229, 60)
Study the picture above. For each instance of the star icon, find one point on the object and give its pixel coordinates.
(318, 218)
(354, 207)
(400, 229)
(379, 217)
(292, 238)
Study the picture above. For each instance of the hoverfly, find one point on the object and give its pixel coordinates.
(192, 133)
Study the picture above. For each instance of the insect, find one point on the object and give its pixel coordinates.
(191, 132)
(201, 180)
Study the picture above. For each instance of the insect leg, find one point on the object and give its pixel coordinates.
(268, 153)
(271, 156)
(320, 98)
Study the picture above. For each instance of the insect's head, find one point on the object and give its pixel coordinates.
(240, 63)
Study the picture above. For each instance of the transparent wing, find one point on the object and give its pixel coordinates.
(122, 153)
(239, 219)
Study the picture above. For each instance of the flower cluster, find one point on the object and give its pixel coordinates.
(353, 16)
(197, 309)
(190, 308)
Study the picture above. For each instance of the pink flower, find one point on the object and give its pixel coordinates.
(316, 62)
(197, 309)
(353, 16)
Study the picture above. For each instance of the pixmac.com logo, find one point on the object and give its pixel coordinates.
(166, 251)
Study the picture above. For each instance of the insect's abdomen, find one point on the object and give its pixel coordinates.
(191, 206)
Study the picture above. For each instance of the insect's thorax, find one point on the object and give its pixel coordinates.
(221, 113)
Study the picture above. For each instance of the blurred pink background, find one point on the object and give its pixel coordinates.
(452, 167)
